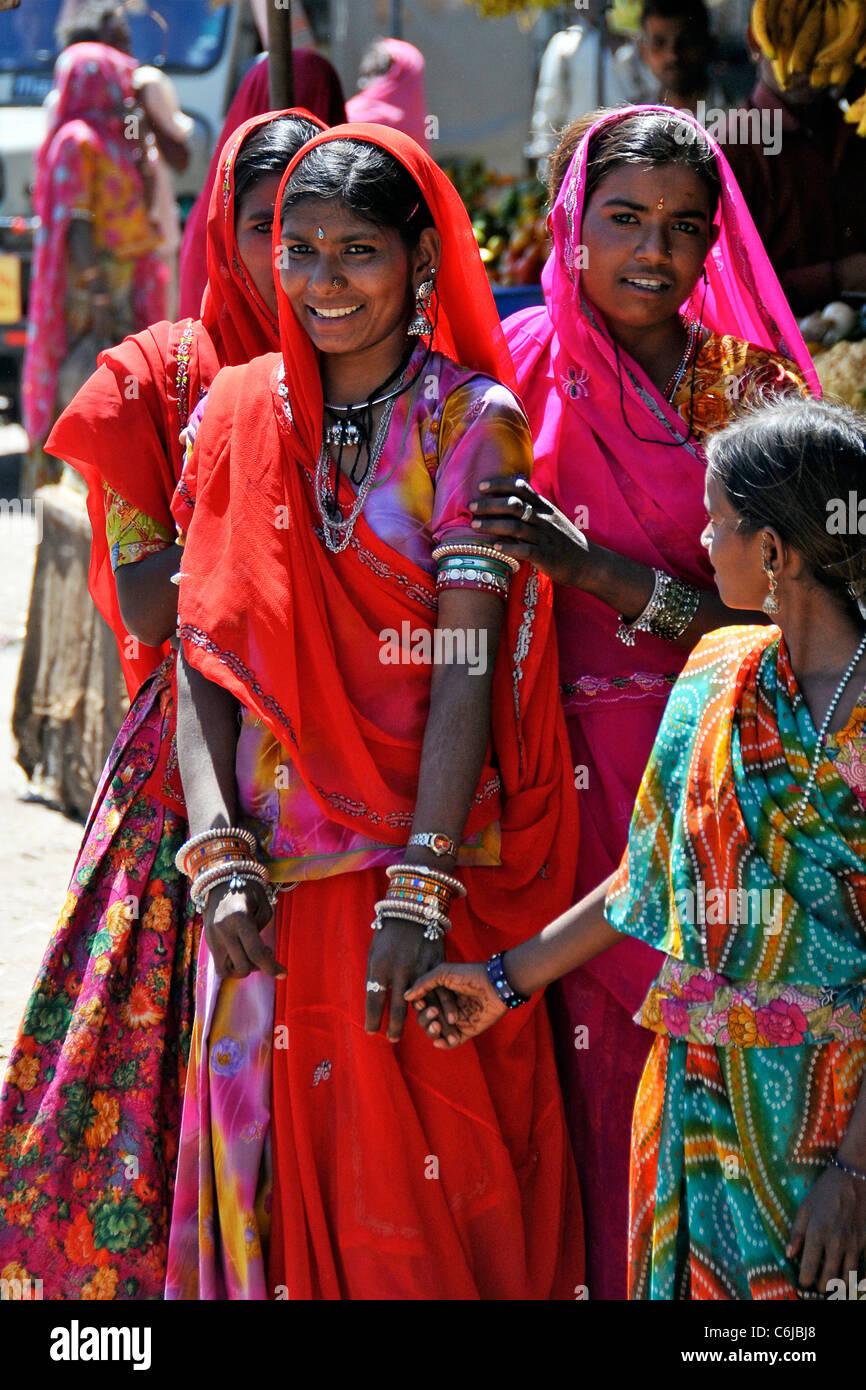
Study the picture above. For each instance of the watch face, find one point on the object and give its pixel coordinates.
(441, 844)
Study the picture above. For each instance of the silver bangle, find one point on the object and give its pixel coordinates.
(671, 607)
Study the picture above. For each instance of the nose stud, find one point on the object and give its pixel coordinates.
(337, 282)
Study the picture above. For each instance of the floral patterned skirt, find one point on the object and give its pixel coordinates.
(90, 1108)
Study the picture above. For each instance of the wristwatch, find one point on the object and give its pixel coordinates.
(439, 845)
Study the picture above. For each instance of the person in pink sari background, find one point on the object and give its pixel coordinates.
(95, 274)
(662, 319)
(317, 90)
(392, 93)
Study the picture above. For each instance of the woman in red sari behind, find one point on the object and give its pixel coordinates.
(373, 696)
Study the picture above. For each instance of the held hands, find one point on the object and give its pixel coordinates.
(471, 1003)
(399, 953)
(513, 516)
(233, 920)
(829, 1230)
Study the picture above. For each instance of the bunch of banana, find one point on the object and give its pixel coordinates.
(824, 38)
(856, 114)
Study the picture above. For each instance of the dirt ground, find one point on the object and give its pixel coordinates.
(39, 844)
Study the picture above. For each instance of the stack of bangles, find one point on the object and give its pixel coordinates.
(671, 608)
(222, 856)
(464, 565)
(420, 895)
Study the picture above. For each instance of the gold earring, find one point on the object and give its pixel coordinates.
(771, 602)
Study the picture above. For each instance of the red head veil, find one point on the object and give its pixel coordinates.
(468, 328)
(171, 365)
(233, 312)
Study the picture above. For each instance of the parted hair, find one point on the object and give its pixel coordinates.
(364, 178)
(652, 137)
(268, 150)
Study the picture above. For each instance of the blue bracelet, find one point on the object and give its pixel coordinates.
(501, 983)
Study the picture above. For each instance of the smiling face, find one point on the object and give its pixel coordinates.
(643, 260)
(735, 555)
(353, 288)
(254, 221)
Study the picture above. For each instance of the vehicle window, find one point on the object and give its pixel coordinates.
(179, 35)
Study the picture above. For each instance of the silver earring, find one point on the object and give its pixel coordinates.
(771, 603)
(421, 324)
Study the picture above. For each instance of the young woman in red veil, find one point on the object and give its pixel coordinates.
(90, 1110)
(368, 717)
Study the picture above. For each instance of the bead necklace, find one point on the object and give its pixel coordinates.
(338, 532)
(691, 343)
(822, 734)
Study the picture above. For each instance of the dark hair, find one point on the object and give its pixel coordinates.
(364, 178)
(653, 137)
(85, 24)
(792, 465)
(694, 12)
(268, 150)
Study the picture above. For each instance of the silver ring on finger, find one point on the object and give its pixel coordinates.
(373, 987)
(526, 514)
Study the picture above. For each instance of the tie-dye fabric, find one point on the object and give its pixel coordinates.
(760, 1005)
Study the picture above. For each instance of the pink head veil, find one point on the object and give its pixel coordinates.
(642, 497)
(397, 98)
(569, 381)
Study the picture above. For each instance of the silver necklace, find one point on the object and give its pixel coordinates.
(337, 531)
(822, 733)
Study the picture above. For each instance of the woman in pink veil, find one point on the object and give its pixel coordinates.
(662, 319)
(392, 91)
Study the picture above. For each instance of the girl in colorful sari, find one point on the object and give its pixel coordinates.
(745, 866)
(95, 268)
(90, 1111)
(368, 718)
(662, 319)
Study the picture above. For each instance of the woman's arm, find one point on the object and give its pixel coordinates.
(555, 545)
(146, 596)
(85, 263)
(455, 742)
(829, 1230)
(207, 735)
(574, 938)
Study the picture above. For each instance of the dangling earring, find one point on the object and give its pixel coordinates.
(422, 324)
(771, 603)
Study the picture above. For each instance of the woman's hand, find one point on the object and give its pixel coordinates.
(233, 920)
(399, 953)
(546, 538)
(476, 1003)
(829, 1230)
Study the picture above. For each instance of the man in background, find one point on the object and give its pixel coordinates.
(577, 74)
(807, 199)
(676, 49)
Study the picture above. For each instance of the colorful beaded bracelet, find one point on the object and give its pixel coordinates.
(416, 873)
(505, 991)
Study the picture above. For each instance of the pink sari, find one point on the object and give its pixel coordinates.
(643, 499)
(94, 97)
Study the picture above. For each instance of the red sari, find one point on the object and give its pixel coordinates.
(398, 1173)
(90, 1111)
